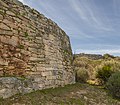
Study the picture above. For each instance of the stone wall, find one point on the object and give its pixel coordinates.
(34, 52)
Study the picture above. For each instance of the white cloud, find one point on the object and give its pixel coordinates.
(76, 5)
(99, 51)
(24, 1)
(21, 0)
(81, 35)
(89, 13)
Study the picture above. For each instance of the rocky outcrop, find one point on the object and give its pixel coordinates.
(34, 52)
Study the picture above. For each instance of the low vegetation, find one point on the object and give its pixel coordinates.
(106, 69)
(104, 72)
(82, 75)
(113, 85)
(86, 64)
(77, 94)
(97, 69)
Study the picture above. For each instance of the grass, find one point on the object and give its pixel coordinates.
(76, 94)
(57, 96)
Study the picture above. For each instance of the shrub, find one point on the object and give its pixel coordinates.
(113, 85)
(106, 56)
(82, 75)
(104, 73)
(106, 69)
(81, 61)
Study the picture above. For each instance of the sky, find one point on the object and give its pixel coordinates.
(92, 25)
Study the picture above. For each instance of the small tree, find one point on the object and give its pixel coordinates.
(104, 73)
(113, 85)
(106, 56)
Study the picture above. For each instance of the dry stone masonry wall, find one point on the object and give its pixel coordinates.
(34, 52)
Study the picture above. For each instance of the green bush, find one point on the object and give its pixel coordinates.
(113, 85)
(106, 56)
(106, 69)
(82, 75)
(104, 73)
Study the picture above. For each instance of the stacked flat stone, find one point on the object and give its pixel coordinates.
(35, 53)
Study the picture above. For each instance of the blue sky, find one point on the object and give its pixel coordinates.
(92, 25)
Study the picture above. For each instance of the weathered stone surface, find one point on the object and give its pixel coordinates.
(10, 13)
(4, 26)
(35, 53)
(1, 17)
(3, 62)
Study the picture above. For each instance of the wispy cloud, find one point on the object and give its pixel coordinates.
(21, 1)
(81, 35)
(116, 7)
(89, 13)
(24, 1)
(99, 51)
(79, 9)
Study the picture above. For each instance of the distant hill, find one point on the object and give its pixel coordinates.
(90, 56)
(96, 56)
